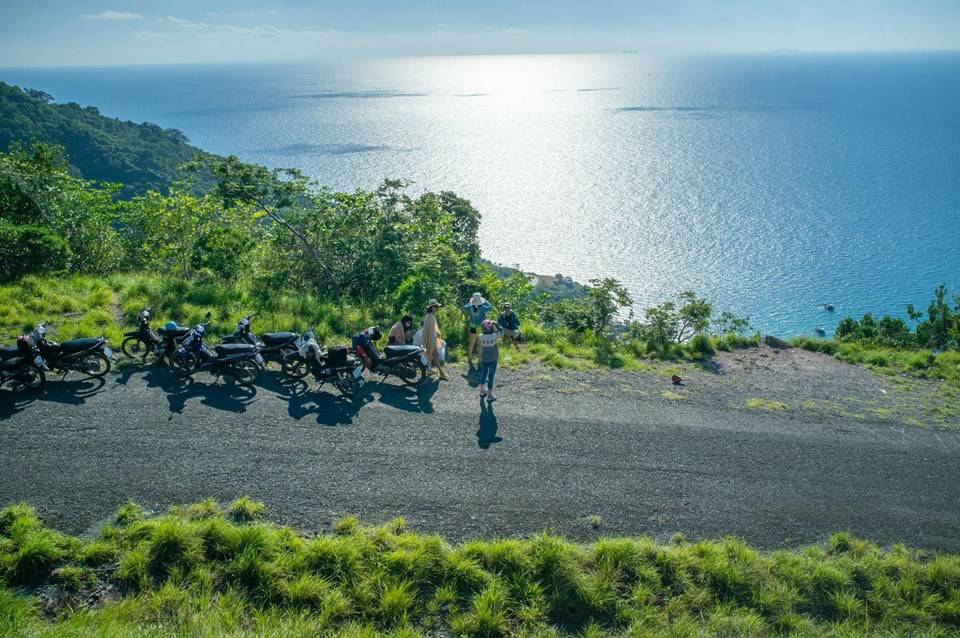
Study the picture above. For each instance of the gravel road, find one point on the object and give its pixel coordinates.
(553, 452)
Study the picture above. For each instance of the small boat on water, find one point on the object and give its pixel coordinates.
(828, 307)
(820, 332)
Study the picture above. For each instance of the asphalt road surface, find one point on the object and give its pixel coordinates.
(546, 456)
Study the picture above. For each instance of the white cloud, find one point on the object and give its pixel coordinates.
(109, 14)
(180, 22)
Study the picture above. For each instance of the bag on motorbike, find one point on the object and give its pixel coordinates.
(337, 356)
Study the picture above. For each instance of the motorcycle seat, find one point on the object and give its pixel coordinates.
(230, 349)
(79, 345)
(399, 351)
(9, 352)
(179, 332)
(277, 338)
(11, 364)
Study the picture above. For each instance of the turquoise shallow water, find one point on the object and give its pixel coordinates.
(771, 184)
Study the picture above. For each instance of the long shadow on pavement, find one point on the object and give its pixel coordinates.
(67, 392)
(405, 398)
(487, 434)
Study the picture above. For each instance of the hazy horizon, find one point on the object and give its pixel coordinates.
(131, 32)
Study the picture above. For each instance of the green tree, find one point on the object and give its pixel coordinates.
(36, 188)
(674, 322)
(605, 298)
(940, 328)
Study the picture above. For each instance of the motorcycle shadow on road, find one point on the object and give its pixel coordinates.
(67, 391)
(230, 397)
(304, 399)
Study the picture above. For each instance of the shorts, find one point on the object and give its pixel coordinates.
(511, 334)
(473, 330)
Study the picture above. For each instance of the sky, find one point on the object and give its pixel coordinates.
(73, 32)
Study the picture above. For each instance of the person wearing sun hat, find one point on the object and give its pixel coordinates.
(476, 309)
(431, 338)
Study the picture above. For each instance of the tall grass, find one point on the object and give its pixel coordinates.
(201, 570)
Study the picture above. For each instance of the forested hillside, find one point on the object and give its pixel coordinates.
(142, 157)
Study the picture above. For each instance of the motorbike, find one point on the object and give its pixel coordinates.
(336, 365)
(22, 365)
(407, 363)
(273, 346)
(241, 361)
(145, 341)
(91, 356)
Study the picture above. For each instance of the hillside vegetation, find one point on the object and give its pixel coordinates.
(141, 157)
(206, 570)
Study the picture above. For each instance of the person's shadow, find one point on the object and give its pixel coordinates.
(487, 434)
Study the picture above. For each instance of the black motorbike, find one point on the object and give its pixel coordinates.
(407, 363)
(241, 361)
(145, 341)
(335, 365)
(273, 346)
(22, 365)
(92, 356)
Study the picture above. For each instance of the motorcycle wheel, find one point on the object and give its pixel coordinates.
(244, 372)
(295, 366)
(134, 348)
(412, 373)
(347, 383)
(95, 364)
(32, 378)
(183, 364)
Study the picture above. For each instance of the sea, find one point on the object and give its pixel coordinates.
(771, 184)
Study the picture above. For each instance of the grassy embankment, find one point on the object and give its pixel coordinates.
(85, 305)
(203, 570)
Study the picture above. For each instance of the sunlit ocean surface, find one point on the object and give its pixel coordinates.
(770, 184)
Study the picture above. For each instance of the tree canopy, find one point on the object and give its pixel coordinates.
(138, 156)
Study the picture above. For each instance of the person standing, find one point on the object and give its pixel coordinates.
(509, 323)
(431, 338)
(489, 355)
(476, 309)
(401, 334)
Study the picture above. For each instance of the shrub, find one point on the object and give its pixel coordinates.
(701, 346)
(26, 250)
(887, 331)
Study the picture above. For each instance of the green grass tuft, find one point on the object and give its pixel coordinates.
(766, 404)
(244, 510)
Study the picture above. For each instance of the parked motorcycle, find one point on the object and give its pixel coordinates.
(22, 365)
(336, 365)
(91, 356)
(144, 341)
(241, 361)
(407, 363)
(273, 346)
